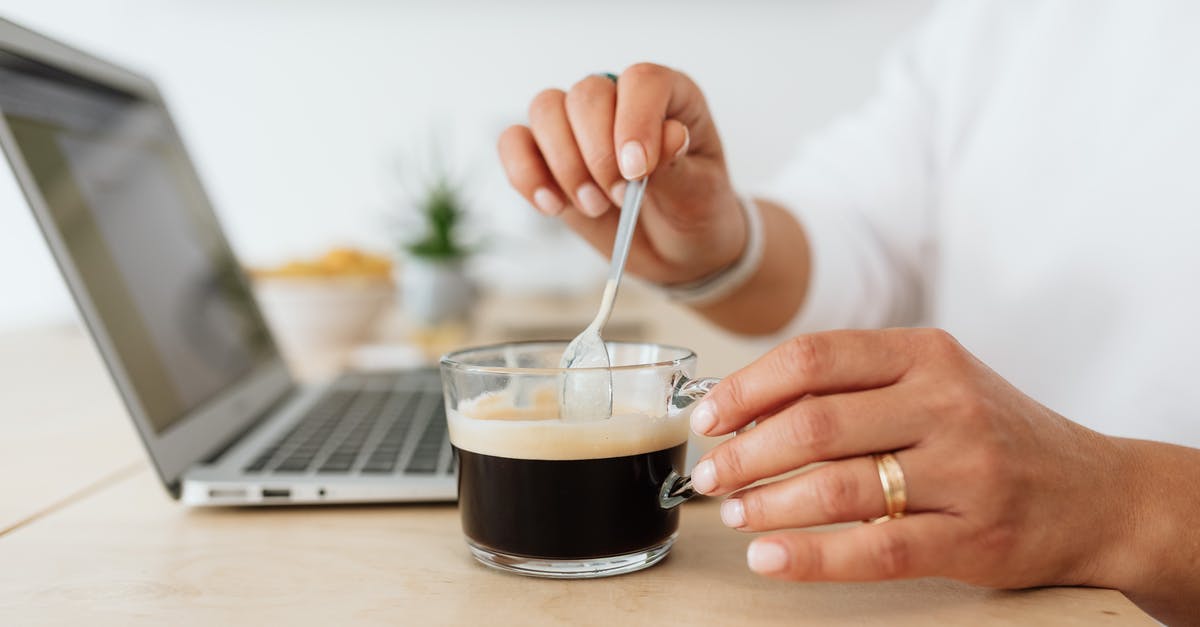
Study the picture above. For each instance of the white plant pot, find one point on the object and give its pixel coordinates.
(433, 292)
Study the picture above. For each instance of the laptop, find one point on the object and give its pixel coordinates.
(123, 211)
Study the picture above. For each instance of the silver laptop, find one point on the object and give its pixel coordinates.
(123, 211)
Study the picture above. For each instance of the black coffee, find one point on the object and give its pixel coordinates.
(567, 509)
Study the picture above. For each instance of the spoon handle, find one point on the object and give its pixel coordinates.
(634, 191)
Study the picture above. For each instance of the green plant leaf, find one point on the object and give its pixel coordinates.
(443, 210)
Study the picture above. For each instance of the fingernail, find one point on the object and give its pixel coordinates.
(591, 199)
(703, 418)
(547, 202)
(732, 512)
(704, 477)
(633, 160)
(687, 142)
(618, 193)
(766, 557)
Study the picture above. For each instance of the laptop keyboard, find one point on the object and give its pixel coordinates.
(373, 424)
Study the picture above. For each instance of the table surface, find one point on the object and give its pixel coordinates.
(86, 531)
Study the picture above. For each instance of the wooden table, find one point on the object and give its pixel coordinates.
(88, 535)
(63, 429)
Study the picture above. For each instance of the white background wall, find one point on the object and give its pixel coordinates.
(297, 111)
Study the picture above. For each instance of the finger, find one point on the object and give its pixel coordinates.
(676, 141)
(813, 429)
(591, 106)
(841, 491)
(819, 363)
(527, 171)
(598, 232)
(903, 548)
(552, 132)
(648, 95)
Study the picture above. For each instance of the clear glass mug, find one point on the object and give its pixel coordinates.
(545, 497)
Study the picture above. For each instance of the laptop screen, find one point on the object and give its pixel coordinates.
(147, 246)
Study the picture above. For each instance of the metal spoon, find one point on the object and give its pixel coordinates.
(587, 395)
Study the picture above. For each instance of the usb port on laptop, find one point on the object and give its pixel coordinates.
(276, 493)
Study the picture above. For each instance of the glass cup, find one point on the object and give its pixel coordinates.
(546, 497)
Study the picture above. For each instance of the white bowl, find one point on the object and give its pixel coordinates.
(322, 314)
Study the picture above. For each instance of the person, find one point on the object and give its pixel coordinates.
(1025, 183)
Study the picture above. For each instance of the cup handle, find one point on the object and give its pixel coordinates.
(677, 488)
(687, 391)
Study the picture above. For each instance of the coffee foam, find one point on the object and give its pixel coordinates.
(493, 425)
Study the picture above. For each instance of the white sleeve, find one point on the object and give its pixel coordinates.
(863, 190)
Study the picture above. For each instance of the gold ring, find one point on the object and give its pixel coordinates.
(895, 490)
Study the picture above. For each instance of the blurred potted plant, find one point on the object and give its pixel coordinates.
(434, 286)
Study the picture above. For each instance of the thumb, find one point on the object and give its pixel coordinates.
(676, 141)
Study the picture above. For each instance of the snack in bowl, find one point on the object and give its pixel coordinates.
(337, 263)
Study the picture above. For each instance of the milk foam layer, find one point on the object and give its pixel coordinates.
(491, 425)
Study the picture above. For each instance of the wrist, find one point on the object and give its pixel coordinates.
(1153, 561)
(728, 277)
(1150, 550)
(1120, 554)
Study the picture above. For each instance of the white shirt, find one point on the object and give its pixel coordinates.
(1027, 178)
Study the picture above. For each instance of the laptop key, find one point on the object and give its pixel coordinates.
(338, 462)
(292, 466)
(338, 466)
(379, 466)
(429, 449)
